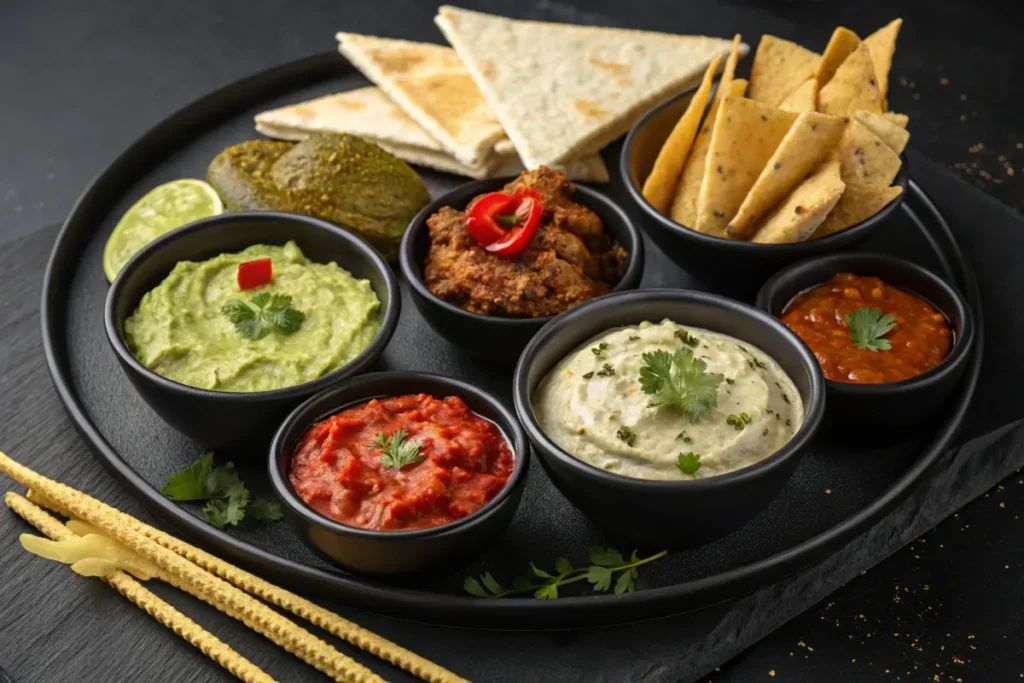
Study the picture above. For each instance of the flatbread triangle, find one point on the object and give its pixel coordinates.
(561, 90)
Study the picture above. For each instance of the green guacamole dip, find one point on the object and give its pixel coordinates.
(179, 331)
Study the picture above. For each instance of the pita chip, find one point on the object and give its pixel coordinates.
(890, 132)
(882, 44)
(561, 91)
(842, 43)
(684, 205)
(854, 86)
(858, 203)
(433, 87)
(804, 98)
(661, 183)
(806, 145)
(865, 159)
(779, 68)
(370, 114)
(745, 136)
(805, 208)
(900, 120)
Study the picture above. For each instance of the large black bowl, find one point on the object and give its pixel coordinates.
(216, 419)
(398, 552)
(894, 403)
(494, 338)
(731, 267)
(669, 514)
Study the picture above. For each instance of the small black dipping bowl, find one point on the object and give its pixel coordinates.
(216, 419)
(398, 552)
(732, 267)
(494, 338)
(669, 514)
(894, 403)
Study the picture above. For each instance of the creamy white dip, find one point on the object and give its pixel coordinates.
(588, 398)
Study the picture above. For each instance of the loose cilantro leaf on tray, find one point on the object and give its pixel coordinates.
(868, 327)
(190, 483)
(679, 381)
(606, 565)
(266, 510)
(224, 512)
(223, 490)
(262, 314)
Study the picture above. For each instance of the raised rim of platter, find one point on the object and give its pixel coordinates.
(371, 595)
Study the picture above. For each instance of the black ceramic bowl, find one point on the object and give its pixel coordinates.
(216, 419)
(729, 266)
(669, 514)
(895, 403)
(495, 338)
(398, 552)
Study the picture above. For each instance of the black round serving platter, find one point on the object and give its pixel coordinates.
(836, 492)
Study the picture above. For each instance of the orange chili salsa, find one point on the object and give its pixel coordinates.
(340, 470)
(921, 339)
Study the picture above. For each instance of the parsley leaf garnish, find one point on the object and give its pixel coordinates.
(679, 380)
(688, 463)
(262, 314)
(626, 434)
(606, 370)
(605, 563)
(223, 490)
(868, 327)
(398, 450)
(599, 349)
(687, 338)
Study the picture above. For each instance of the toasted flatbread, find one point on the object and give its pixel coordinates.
(806, 208)
(900, 120)
(779, 68)
(882, 44)
(890, 132)
(842, 43)
(808, 142)
(854, 86)
(804, 98)
(433, 87)
(664, 175)
(859, 202)
(684, 205)
(370, 114)
(562, 91)
(745, 135)
(865, 159)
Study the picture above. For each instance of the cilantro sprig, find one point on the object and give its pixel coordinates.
(688, 463)
(224, 492)
(868, 327)
(605, 564)
(398, 450)
(678, 380)
(262, 314)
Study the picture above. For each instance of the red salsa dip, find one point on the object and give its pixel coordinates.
(868, 352)
(401, 463)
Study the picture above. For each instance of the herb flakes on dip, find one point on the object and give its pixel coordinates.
(197, 328)
(401, 463)
(665, 401)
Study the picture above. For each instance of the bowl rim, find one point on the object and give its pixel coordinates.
(837, 239)
(278, 463)
(814, 407)
(588, 196)
(962, 342)
(389, 315)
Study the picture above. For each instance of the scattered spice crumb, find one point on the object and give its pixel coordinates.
(771, 672)
(828, 491)
(944, 81)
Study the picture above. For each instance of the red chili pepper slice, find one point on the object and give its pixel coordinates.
(505, 224)
(254, 273)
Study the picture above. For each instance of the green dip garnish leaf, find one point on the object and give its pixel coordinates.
(262, 314)
(868, 327)
(626, 434)
(679, 380)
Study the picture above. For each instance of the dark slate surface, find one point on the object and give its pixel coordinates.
(86, 78)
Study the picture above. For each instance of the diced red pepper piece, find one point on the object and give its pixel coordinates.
(254, 273)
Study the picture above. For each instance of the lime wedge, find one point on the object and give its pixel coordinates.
(162, 209)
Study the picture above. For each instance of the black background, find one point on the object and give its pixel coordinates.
(79, 81)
